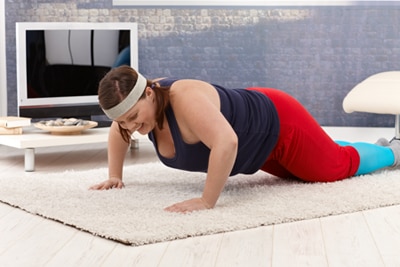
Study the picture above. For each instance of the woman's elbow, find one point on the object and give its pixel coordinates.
(232, 142)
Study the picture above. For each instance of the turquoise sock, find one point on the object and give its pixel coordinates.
(372, 157)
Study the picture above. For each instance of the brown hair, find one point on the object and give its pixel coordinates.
(117, 84)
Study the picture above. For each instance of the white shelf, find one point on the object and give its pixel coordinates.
(32, 138)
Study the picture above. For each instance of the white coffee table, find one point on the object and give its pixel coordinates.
(33, 138)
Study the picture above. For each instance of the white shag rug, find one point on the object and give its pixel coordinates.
(135, 216)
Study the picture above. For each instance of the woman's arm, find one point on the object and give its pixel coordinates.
(117, 148)
(197, 109)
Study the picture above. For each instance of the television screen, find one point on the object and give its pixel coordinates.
(59, 65)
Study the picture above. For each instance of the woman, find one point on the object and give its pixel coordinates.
(197, 126)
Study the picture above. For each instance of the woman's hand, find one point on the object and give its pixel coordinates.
(108, 184)
(188, 206)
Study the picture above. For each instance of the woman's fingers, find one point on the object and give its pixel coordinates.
(109, 184)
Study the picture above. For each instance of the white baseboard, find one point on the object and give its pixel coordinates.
(3, 69)
(360, 134)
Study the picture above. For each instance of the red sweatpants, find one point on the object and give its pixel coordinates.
(303, 149)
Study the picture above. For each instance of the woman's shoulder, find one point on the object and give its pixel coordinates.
(191, 84)
(185, 90)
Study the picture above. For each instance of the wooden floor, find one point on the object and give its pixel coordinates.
(368, 238)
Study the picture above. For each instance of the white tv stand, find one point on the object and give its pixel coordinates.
(33, 138)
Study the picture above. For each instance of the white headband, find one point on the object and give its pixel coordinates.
(129, 101)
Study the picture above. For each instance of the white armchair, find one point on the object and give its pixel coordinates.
(379, 93)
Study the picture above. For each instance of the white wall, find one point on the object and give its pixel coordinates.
(3, 72)
(235, 2)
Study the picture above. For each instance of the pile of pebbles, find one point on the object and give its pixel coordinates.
(65, 122)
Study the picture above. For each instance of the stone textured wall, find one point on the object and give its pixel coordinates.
(317, 54)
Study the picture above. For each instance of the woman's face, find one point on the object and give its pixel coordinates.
(141, 117)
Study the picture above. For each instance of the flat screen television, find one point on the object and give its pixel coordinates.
(59, 66)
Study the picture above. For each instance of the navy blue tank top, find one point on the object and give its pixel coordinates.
(254, 119)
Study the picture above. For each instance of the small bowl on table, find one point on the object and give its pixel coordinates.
(68, 126)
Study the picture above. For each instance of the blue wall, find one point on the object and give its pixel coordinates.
(317, 54)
